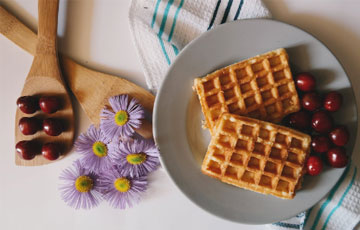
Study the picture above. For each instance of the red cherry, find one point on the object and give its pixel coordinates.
(314, 165)
(311, 101)
(26, 149)
(300, 120)
(29, 125)
(339, 136)
(322, 122)
(51, 151)
(53, 127)
(320, 144)
(337, 158)
(28, 104)
(333, 101)
(49, 104)
(305, 82)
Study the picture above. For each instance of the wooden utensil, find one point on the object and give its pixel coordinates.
(45, 78)
(91, 88)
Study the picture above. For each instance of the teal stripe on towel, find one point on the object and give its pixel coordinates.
(238, 10)
(174, 21)
(287, 225)
(166, 12)
(214, 14)
(331, 195)
(164, 51)
(227, 10)
(176, 50)
(341, 199)
(155, 12)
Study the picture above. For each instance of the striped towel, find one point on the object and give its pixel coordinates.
(161, 28)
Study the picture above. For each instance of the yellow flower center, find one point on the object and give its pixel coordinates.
(121, 118)
(136, 158)
(84, 184)
(99, 149)
(122, 184)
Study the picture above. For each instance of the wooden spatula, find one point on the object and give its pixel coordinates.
(44, 79)
(81, 80)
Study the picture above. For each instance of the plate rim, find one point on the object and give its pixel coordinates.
(156, 112)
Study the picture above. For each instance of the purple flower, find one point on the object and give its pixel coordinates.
(121, 191)
(135, 158)
(124, 117)
(93, 145)
(81, 187)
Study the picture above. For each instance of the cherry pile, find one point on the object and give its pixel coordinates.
(315, 118)
(31, 125)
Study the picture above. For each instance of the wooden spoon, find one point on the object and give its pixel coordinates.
(45, 78)
(91, 88)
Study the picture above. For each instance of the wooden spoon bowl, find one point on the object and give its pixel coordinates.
(91, 88)
(44, 79)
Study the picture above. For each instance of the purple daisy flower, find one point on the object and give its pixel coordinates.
(135, 158)
(81, 187)
(124, 117)
(93, 145)
(121, 191)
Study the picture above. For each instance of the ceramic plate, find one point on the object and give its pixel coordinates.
(178, 117)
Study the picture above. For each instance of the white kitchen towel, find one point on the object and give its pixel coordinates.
(161, 28)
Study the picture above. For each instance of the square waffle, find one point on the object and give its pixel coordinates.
(261, 87)
(257, 155)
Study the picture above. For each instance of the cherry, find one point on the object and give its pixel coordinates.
(311, 101)
(29, 125)
(333, 101)
(49, 104)
(26, 149)
(305, 82)
(28, 104)
(314, 165)
(300, 120)
(320, 144)
(322, 122)
(339, 136)
(53, 127)
(337, 158)
(51, 151)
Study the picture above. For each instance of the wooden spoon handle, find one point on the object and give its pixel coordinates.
(17, 32)
(48, 19)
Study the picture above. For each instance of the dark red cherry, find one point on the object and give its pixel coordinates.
(311, 101)
(337, 158)
(300, 120)
(320, 144)
(28, 104)
(333, 101)
(49, 104)
(314, 165)
(339, 136)
(29, 125)
(53, 127)
(27, 149)
(322, 122)
(51, 151)
(305, 82)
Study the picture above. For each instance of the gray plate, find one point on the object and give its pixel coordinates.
(177, 116)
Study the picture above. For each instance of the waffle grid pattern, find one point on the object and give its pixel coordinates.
(257, 155)
(261, 87)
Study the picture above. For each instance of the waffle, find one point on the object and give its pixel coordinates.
(257, 155)
(260, 87)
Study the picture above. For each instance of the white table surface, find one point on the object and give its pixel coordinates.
(96, 34)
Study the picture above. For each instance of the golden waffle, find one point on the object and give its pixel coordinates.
(257, 155)
(260, 87)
